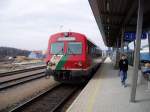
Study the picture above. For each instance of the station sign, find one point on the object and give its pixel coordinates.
(131, 36)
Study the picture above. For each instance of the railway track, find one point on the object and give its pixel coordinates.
(21, 71)
(17, 81)
(49, 101)
(21, 76)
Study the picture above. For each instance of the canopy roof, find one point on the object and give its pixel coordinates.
(112, 16)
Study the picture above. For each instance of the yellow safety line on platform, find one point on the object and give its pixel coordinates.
(91, 100)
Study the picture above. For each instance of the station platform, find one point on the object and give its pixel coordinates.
(104, 93)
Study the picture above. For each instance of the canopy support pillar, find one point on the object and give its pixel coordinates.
(122, 40)
(137, 50)
(149, 42)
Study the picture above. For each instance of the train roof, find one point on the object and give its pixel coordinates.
(89, 40)
(93, 43)
(59, 33)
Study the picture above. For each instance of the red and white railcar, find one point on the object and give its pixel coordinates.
(70, 57)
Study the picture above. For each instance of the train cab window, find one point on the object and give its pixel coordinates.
(74, 48)
(57, 48)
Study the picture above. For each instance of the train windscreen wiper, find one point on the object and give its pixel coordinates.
(71, 52)
(60, 51)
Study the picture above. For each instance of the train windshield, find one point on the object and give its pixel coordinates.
(74, 48)
(57, 48)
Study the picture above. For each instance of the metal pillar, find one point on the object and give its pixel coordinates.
(137, 50)
(134, 44)
(117, 54)
(149, 41)
(122, 41)
(128, 48)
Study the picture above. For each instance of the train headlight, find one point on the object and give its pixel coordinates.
(51, 64)
(80, 63)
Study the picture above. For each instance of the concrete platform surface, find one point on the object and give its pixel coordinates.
(104, 93)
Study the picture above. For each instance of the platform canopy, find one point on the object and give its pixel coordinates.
(114, 17)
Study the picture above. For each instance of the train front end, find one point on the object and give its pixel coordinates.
(66, 57)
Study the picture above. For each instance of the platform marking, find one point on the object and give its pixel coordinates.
(91, 100)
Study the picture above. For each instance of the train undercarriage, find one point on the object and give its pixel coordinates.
(73, 76)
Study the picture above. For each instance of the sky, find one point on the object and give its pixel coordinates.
(27, 24)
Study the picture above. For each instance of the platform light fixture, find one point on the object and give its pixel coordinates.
(108, 33)
(108, 20)
(108, 27)
(108, 6)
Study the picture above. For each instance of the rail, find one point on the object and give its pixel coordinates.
(21, 80)
(21, 71)
(50, 100)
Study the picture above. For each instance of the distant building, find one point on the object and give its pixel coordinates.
(36, 55)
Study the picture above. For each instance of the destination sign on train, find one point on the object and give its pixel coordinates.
(66, 39)
(131, 36)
